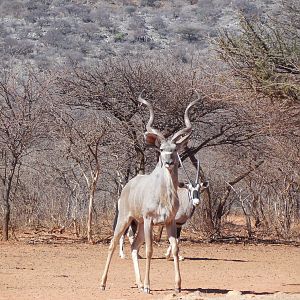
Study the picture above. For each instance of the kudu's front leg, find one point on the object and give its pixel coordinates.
(149, 251)
(171, 230)
(119, 231)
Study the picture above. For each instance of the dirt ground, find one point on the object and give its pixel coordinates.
(220, 271)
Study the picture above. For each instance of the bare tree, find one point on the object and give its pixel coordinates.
(23, 127)
(85, 140)
(264, 56)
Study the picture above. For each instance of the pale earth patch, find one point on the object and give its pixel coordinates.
(217, 271)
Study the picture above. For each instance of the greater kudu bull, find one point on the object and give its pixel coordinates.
(152, 199)
(189, 199)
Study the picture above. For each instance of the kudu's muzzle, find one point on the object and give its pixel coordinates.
(169, 161)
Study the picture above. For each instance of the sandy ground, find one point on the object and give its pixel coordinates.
(221, 271)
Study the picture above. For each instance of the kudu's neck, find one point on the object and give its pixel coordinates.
(172, 172)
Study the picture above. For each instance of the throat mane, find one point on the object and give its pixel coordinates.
(169, 196)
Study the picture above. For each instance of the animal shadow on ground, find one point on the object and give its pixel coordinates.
(219, 291)
(225, 291)
(217, 259)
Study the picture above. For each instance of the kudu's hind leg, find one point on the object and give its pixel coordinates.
(149, 251)
(135, 246)
(130, 231)
(121, 247)
(119, 231)
(171, 230)
(121, 243)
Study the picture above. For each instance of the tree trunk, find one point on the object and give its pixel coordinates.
(91, 202)
(6, 206)
(6, 217)
(90, 217)
(140, 165)
(247, 219)
(208, 209)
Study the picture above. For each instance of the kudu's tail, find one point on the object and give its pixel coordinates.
(116, 216)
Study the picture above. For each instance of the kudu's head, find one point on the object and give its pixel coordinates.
(168, 147)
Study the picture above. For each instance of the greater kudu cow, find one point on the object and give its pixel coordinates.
(152, 200)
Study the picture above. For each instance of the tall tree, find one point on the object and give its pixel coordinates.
(23, 127)
(85, 139)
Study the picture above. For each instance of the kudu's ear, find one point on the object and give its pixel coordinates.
(152, 139)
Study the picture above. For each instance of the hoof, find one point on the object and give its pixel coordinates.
(177, 290)
(181, 258)
(147, 290)
(102, 287)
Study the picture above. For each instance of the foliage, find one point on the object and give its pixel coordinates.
(189, 33)
(265, 56)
